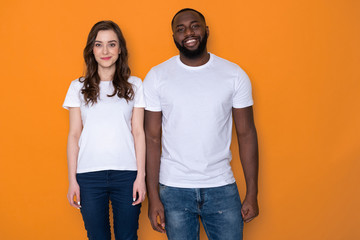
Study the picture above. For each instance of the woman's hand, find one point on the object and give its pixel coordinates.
(139, 190)
(74, 190)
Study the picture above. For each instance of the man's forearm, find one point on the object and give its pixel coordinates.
(248, 150)
(152, 167)
(153, 152)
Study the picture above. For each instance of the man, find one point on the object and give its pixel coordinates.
(190, 100)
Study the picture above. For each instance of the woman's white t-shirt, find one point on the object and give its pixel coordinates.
(106, 141)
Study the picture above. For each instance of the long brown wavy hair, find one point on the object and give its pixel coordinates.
(91, 89)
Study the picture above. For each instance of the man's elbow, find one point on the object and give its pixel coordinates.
(152, 139)
(249, 132)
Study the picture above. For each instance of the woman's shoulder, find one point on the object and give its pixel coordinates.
(77, 83)
(135, 81)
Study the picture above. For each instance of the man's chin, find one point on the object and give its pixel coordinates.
(192, 54)
(189, 53)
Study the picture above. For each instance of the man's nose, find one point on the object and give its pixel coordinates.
(189, 31)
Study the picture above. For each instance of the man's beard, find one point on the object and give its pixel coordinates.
(192, 54)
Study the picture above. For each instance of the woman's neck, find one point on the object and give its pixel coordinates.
(106, 74)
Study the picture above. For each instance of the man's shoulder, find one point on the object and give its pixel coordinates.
(222, 62)
(157, 72)
(228, 66)
(166, 64)
(162, 69)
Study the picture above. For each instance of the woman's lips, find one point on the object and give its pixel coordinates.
(105, 58)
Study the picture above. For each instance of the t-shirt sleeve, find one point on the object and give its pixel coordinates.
(72, 98)
(139, 99)
(151, 92)
(242, 94)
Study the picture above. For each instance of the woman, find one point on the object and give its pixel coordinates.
(106, 143)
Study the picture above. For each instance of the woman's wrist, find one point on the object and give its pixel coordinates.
(141, 175)
(72, 179)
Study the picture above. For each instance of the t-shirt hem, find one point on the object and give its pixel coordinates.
(197, 185)
(69, 106)
(153, 109)
(105, 168)
(140, 106)
(243, 105)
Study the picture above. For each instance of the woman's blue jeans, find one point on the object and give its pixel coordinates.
(96, 190)
(219, 209)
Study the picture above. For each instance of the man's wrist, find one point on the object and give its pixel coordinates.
(153, 195)
(252, 194)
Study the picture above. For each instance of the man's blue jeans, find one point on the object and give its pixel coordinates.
(219, 209)
(96, 189)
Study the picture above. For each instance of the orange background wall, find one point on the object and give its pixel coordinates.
(303, 58)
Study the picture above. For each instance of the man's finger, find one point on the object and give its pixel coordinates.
(249, 216)
(154, 223)
(248, 220)
(244, 212)
(162, 220)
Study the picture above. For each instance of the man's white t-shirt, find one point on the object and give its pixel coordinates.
(196, 105)
(106, 142)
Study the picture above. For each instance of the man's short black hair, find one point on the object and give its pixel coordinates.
(188, 9)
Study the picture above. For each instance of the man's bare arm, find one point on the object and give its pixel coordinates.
(153, 154)
(248, 150)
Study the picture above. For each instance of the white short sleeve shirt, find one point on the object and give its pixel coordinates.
(106, 142)
(196, 105)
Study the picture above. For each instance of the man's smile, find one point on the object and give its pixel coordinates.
(190, 42)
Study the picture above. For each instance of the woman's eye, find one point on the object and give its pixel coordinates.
(97, 44)
(112, 45)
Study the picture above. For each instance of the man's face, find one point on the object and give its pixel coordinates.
(190, 34)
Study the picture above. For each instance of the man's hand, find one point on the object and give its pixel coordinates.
(250, 209)
(156, 209)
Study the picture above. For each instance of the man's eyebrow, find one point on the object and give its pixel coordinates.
(179, 25)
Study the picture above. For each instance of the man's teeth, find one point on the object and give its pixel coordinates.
(190, 41)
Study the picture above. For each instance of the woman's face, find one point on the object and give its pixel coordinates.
(106, 49)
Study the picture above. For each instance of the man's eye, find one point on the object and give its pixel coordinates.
(195, 26)
(180, 29)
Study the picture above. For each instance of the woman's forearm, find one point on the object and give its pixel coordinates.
(75, 130)
(72, 155)
(139, 140)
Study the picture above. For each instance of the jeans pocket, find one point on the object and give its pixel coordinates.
(162, 187)
(162, 190)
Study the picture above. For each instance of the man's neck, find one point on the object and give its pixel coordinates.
(195, 62)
